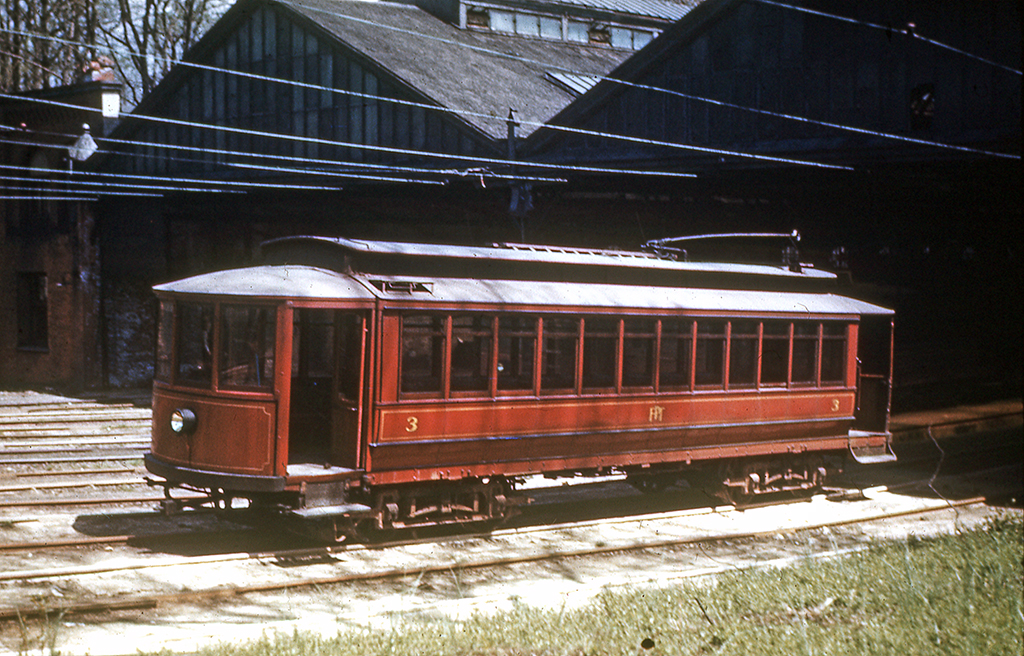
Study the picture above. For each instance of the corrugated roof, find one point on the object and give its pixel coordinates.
(482, 73)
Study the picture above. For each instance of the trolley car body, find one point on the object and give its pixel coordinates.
(401, 383)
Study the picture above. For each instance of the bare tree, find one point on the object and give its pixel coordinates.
(149, 36)
(46, 43)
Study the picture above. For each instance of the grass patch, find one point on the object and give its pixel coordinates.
(959, 594)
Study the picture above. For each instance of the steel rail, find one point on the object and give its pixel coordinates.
(156, 600)
(77, 472)
(70, 542)
(72, 447)
(87, 502)
(26, 487)
(45, 461)
(72, 417)
(78, 438)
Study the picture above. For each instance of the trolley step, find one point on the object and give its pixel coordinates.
(873, 455)
(320, 512)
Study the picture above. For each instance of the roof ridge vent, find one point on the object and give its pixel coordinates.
(607, 252)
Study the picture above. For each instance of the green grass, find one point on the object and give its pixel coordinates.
(959, 594)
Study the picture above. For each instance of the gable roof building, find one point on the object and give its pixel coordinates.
(860, 84)
(391, 81)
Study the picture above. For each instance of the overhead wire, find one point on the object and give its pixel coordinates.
(540, 125)
(54, 198)
(271, 156)
(65, 135)
(458, 112)
(672, 92)
(555, 127)
(88, 183)
(199, 181)
(703, 149)
(370, 147)
(481, 173)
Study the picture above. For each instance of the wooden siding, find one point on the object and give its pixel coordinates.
(271, 45)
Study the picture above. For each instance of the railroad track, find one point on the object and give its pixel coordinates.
(57, 453)
(361, 563)
(132, 575)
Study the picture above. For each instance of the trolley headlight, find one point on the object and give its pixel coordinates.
(183, 421)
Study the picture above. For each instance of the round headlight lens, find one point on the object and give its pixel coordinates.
(183, 421)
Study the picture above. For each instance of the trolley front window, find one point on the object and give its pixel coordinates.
(165, 342)
(246, 346)
(195, 345)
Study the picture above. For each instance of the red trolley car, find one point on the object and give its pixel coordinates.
(400, 384)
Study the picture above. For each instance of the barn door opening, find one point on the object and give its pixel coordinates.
(874, 371)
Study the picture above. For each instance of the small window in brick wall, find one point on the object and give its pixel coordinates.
(33, 325)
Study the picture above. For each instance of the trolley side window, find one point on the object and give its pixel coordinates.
(775, 353)
(165, 343)
(246, 346)
(638, 350)
(805, 353)
(558, 368)
(600, 352)
(471, 353)
(195, 345)
(833, 353)
(676, 353)
(743, 344)
(422, 353)
(517, 346)
(710, 356)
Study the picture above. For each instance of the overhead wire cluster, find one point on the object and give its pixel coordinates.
(472, 165)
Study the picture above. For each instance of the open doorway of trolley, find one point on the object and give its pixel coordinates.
(326, 351)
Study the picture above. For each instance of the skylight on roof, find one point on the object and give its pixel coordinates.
(557, 27)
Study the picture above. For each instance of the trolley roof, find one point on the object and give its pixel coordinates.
(298, 281)
(271, 282)
(535, 262)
